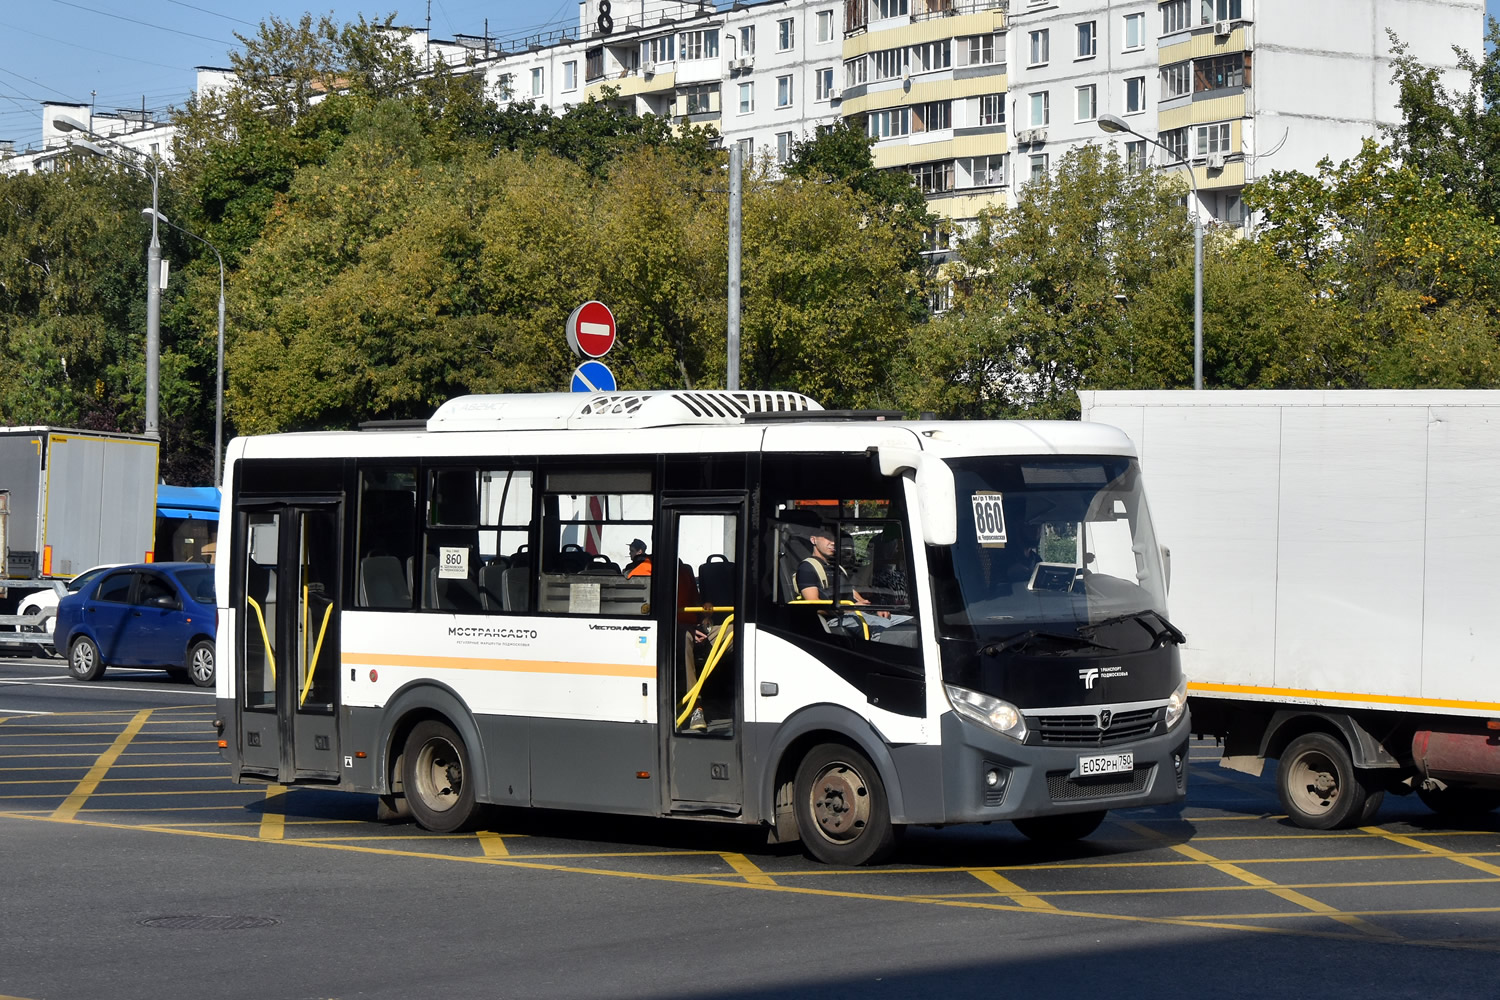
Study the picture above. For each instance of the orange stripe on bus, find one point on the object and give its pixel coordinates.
(647, 670)
(1376, 699)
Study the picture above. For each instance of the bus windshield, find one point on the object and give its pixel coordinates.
(1047, 543)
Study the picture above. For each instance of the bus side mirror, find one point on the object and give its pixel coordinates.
(935, 491)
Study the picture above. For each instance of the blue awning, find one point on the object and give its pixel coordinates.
(191, 515)
(199, 503)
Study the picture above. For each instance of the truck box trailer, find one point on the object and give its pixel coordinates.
(76, 499)
(1333, 564)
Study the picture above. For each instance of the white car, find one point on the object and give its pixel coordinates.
(46, 600)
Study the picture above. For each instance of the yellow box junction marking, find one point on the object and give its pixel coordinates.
(1006, 887)
(493, 845)
(1434, 850)
(74, 802)
(273, 818)
(748, 869)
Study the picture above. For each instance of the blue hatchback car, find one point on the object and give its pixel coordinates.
(146, 615)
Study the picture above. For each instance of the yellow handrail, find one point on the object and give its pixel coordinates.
(270, 653)
(851, 605)
(317, 648)
(715, 654)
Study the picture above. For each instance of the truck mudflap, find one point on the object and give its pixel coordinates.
(1458, 755)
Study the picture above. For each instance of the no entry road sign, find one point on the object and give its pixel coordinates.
(591, 330)
(593, 376)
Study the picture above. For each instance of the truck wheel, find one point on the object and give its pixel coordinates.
(84, 661)
(200, 664)
(437, 778)
(1459, 801)
(1320, 787)
(1072, 826)
(842, 814)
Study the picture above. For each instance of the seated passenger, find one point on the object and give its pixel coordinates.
(640, 562)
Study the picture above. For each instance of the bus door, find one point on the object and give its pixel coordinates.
(287, 654)
(704, 715)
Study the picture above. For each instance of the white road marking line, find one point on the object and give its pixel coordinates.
(83, 686)
(20, 711)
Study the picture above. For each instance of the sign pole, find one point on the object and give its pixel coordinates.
(736, 198)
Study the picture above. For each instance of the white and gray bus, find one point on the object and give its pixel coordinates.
(461, 613)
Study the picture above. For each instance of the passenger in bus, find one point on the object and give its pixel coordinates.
(640, 562)
(694, 621)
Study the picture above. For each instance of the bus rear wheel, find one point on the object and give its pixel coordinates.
(842, 812)
(436, 778)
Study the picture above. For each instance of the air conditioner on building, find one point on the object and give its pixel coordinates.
(1216, 161)
(1038, 135)
(1222, 28)
(1023, 135)
(648, 68)
(744, 63)
(835, 94)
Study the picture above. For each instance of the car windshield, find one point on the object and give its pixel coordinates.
(199, 584)
(78, 582)
(1048, 542)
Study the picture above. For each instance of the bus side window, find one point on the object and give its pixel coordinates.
(478, 525)
(591, 522)
(386, 540)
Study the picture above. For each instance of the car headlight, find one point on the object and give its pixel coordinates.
(992, 713)
(1177, 703)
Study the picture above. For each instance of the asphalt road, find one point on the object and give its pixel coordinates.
(132, 867)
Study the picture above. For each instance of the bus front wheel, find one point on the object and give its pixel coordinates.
(435, 775)
(842, 813)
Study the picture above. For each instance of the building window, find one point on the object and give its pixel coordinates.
(889, 63)
(747, 98)
(932, 116)
(538, 82)
(570, 76)
(1221, 72)
(1234, 209)
(1213, 139)
(1176, 15)
(747, 41)
(1041, 109)
(1087, 107)
(1135, 94)
(657, 50)
(700, 44)
(890, 123)
(747, 149)
(1041, 45)
(701, 99)
(891, 8)
(933, 178)
(855, 71)
(825, 25)
(1219, 10)
(824, 80)
(990, 109)
(1135, 31)
(1088, 39)
(932, 56)
(593, 63)
(1038, 165)
(783, 91)
(1176, 141)
(786, 34)
(783, 146)
(1135, 154)
(982, 171)
(1176, 80)
(982, 50)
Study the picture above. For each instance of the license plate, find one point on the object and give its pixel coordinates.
(1110, 763)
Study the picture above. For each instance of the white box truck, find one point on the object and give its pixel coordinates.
(1335, 565)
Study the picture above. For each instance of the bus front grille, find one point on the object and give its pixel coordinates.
(1065, 789)
(1084, 730)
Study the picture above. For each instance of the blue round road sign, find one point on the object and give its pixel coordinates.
(593, 376)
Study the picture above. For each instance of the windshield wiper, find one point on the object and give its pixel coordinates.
(1022, 639)
(1167, 631)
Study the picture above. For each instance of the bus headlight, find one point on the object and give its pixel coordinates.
(992, 713)
(1177, 703)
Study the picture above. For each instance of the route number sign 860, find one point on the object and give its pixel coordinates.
(989, 519)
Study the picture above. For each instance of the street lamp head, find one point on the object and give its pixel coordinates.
(67, 123)
(151, 213)
(1114, 124)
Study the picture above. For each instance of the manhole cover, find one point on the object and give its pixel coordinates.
(210, 922)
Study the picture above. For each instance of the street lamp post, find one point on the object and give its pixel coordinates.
(66, 123)
(219, 390)
(1115, 124)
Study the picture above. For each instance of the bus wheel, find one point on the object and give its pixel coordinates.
(1071, 826)
(841, 807)
(84, 661)
(1458, 801)
(435, 777)
(1320, 787)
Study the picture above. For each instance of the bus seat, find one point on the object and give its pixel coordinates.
(382, 583)
(492, 585)
(573, 558)
(716, 580)
(515, 588)
(601, 565)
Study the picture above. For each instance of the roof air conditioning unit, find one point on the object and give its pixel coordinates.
(1222, 28)
(1216, 161)
(648, 68)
